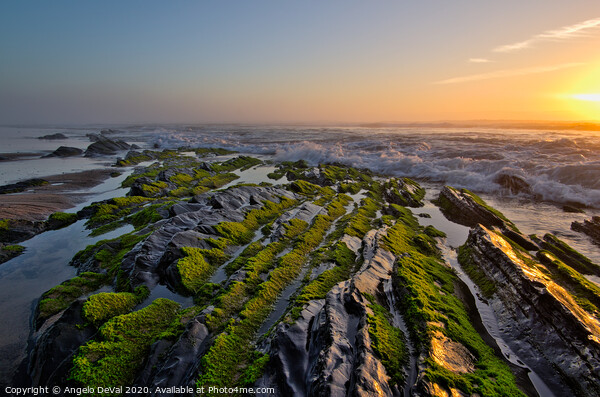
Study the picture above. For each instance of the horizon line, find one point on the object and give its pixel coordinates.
(542, 124)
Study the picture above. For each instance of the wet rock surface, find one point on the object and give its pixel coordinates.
(515, 184)
(539, 315)
(319, 294)
(57, 136)
(22, 185)
(54, 347)
(103, 146)
(330, 344)
(66, 151)
(567, 254)
(20, 230)
(177, 363)
(464, 207)
(590, 227)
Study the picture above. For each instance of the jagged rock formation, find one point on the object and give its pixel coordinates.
(65, 151)
(466, 208)
(103, 146)
(18, 230)
(537, 311)
(22, 185)
(330, 343)
(296, 287)
(590, 227)
(567, 254)
(515, 184)
(56, 136)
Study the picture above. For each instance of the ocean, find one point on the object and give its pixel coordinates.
(528, 174)
(557, 166)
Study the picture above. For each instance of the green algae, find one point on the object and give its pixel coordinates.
(15, 248)
(404, 192)
(230, 354)
(388, 343)
(60, 297)
(486, 285)
(241, 162)
(428, 301)
(197, 265)
(105, 305)
(345, 261)
(61, 219)
(360, 224)
(236, 232)
(570, 256)
(433, 232)
(584, 292)
(113, 358)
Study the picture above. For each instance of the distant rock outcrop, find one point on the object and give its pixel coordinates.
(22, 185)
(103, 146)
(17, 230)
(65, 151)
(514, 183)
(589, 227)
(56, 136)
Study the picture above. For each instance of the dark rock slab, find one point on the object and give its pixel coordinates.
(104, 146)
(573, 208)
(590, 227)
(515, 184)
(50, 360)
(65, 151)
(464, 207)
(306, 212)
(166, 175)
(145, 263)
(330, 344)
(176, 364)
(404, 192)
(22, 185)
(568, 255)
(8, 254)
(56, 136)
(21, 230)
(539, 319)
(137, 188)
(108, 131)
(312, 175)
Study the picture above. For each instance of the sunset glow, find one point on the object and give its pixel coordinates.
(587, 97)
(303, 62)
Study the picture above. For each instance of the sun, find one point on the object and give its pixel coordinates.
(587, 97)
(582, 106)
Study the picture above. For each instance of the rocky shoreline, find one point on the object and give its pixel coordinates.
(329, 286)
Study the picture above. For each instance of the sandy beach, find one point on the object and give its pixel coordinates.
(62, 192)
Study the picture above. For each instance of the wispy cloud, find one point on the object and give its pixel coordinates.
(508, 73)
(564, 33)
(479, 60)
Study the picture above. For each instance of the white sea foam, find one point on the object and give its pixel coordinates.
(558, 166)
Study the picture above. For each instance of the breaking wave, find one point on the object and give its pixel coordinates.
(555, 166)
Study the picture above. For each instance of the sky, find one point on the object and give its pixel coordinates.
(298, 61)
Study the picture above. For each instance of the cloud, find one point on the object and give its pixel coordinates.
(479, 60)
(564, 33)
(508, 73)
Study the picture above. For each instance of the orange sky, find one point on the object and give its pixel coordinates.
(339, 61)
